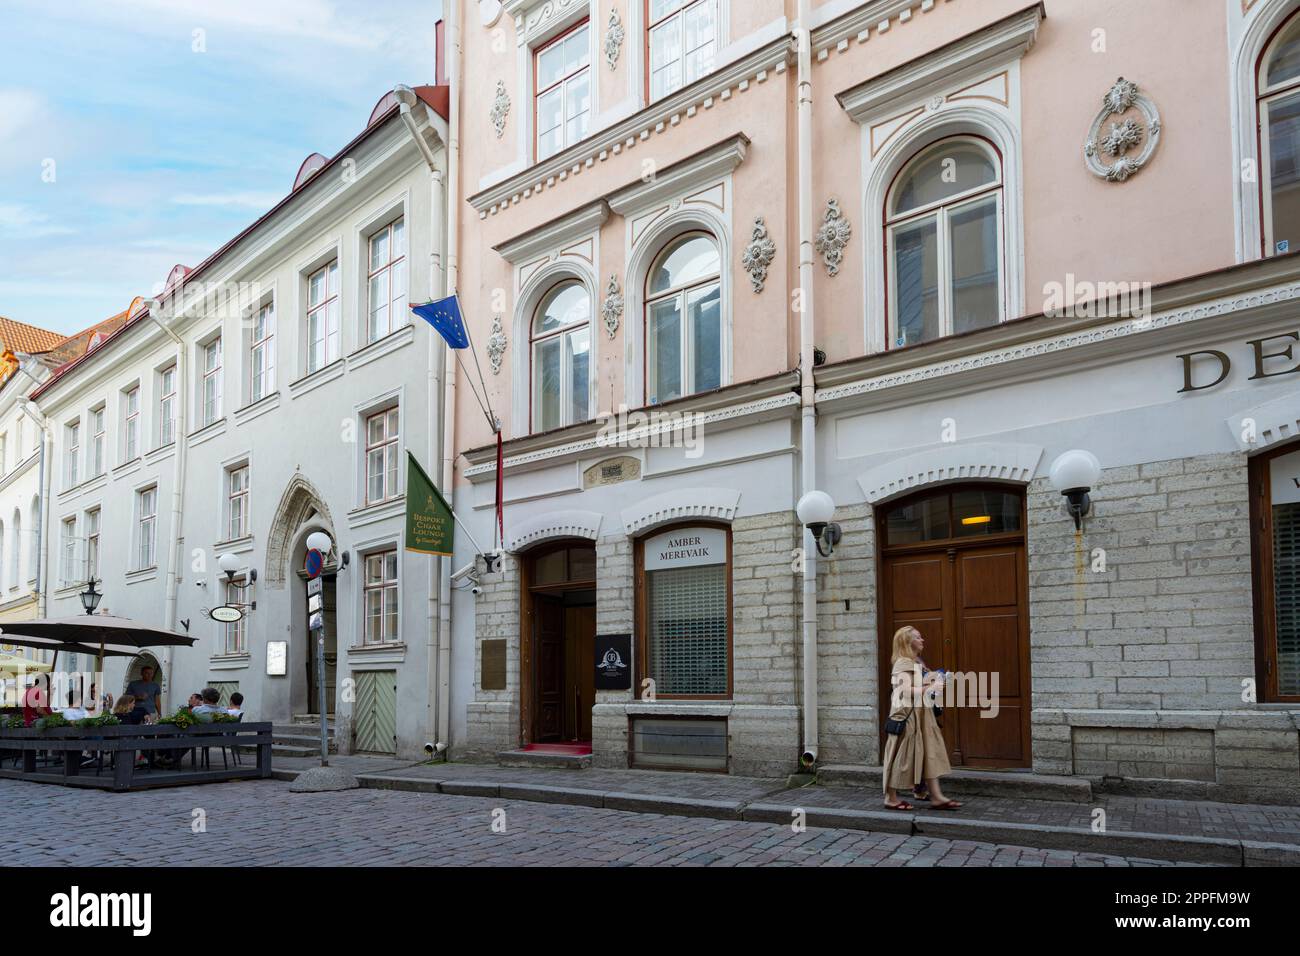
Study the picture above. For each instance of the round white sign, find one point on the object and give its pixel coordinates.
(226, 614)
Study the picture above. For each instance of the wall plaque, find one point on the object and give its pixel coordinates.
(686, 548)
(493, 676)
(611, 471)
(613, 661)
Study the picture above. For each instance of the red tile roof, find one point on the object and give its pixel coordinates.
(21, 337)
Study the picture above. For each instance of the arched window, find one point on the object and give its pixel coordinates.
(943, 236)
(683, 317)
(35, 552)
(1279, 124)
(561, 348)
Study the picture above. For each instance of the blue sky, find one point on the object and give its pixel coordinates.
(159, 152)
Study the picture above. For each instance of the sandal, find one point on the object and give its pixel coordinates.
(900, 805)
(920, 793)
(946, 805)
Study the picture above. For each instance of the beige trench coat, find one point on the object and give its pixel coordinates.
(918, 753)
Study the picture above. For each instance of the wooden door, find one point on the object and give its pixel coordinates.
(969, 604)
(374, 715)
(548, 638)
(580, 671)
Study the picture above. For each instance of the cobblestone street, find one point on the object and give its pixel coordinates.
(261, 823)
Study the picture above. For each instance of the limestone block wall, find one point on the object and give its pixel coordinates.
(492, 716)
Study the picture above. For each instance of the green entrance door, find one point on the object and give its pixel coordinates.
(374, 716)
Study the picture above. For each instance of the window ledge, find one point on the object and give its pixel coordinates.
(161, 453)
(317, 378)
(69, 590)
(230, 662)
(381, 347)
(144, 574)
(207, 432)
(394, 507)
(263, 405)
(99, 481)
(234, 545)
(364, 654)
(126, 468)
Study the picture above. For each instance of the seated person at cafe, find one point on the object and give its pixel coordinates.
(127, 712)
(211, 702)
(74, 710)
(196, 700)
(36, 700)
(236, 708)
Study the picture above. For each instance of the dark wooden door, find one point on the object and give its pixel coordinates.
(968, 603)
(580, 671)
(549, 668)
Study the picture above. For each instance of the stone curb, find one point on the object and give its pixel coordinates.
(1159, 846)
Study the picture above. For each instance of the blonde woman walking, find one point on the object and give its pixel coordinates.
(914, 750)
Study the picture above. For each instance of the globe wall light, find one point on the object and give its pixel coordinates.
(1073, 474)
(815, 511)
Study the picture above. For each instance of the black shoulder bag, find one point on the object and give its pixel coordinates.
(896, 727)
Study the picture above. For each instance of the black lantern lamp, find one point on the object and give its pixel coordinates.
(90, 597)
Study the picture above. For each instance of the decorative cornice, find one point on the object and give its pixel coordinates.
(535, 242)
(978, 461)
(758, 255)
(637, 437)
(1120, 329)
(835, 23)
(533, 18)
(1267, 425)
(1008, 39)
(556, 524)
(715, 504)
(662, 115)
(702, 169)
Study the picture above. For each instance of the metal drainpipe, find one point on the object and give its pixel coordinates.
(437, 284)
(807, 392)
(32, 411)
(449, 366)
(178, 481)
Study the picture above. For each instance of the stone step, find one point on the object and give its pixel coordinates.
(309, 741)
(312, 719)
(984, 783)
(533, 758)
(301, 730)
(287, 750)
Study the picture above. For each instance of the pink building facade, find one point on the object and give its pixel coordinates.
(1009, 231)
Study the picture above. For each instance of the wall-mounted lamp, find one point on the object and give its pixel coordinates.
(90, 597)
(1073, 474)
(230, 565)
(815, 511)
(322, 542)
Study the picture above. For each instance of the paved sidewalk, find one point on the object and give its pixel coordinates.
(1190, 831)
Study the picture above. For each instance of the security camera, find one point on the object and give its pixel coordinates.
(476, 589)
(463, 572)
(429, 747)
(201, 583)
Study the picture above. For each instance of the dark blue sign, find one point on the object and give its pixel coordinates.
(314, 563)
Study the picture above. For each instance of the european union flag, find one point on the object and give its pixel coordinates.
(444, 315)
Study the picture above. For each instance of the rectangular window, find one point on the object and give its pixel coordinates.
(146, 511)
(1275, 525)
(167, 406)
(682, 40)
(71, 473)
(236, 642)
(387, 294)
(381, 597)
(687, 628)
(323, 317)
(562, 109)
(97, 418)
(68, 543)
(4, 457)
(131, 405)
(261, 358)
(211, 398)
(92, 545)
(237, 510)
(381, 456)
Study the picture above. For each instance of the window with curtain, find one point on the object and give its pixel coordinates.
(943, 228)
(683, 317)
(563, 84)
(561, 357)
(1279, 128)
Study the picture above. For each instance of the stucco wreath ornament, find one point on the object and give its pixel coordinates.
(613, 39)
(611, 310)
(833, 236)
(758, 255)
(500, 109)
(496, 345)
(1126, 134)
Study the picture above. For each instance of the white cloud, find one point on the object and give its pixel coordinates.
(18, 107)
(23, 222)
(249, 200)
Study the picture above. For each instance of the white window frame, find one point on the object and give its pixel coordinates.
(98, 462)
(562, 84)
(210, 411)
(94, 522)
(943, 211)
(566, 376)
(166, 406)
(68, 551)
(680, 293)
(385, 586)
(235, 592)
(332, 294)
(71, 453)
(396, 316)
(390, 443)
(260, 386)
(146, 529)
(677, 19)
(131, 423)
(237, 501)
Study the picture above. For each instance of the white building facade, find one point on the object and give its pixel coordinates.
(272, 392)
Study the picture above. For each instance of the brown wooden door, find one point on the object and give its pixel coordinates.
(549, 668)
(580, 689)
(968, 602)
